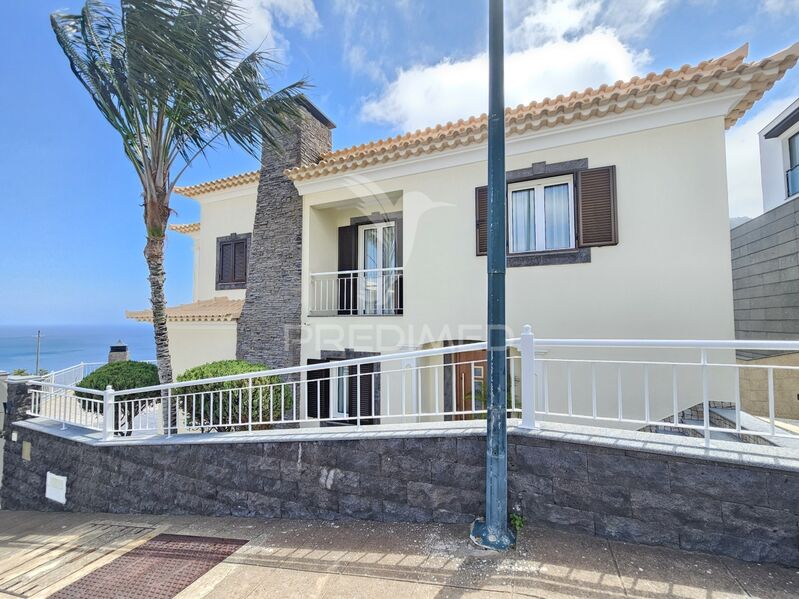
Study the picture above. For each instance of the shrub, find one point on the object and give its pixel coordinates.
(222, 406)
(121, 376)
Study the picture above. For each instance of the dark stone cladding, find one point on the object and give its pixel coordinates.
(765, 275)
(749, 513)
(269, 326)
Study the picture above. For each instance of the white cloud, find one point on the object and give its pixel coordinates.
(362, 25)
(780, 7)
(557, 46)
(743, 159)
(263, 17)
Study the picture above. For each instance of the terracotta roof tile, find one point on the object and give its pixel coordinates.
(711, 76)
(220, 309)
(185, 228)
(192, 191)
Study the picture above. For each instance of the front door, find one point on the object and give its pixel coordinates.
(470, 371)
(378, 263)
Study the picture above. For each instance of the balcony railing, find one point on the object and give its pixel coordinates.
(793, 180)
(693, 388)
(356, 292)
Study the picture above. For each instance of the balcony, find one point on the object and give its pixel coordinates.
(373, 292)
(792, 177)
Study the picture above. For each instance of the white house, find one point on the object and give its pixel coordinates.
(779, 158)
(617, 228)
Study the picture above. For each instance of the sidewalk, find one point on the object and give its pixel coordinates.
(41, 553)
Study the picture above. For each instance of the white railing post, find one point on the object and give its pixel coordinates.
(108, 413)
(705, 399)
(527, 351)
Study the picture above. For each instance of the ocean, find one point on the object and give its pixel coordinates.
(66, 345)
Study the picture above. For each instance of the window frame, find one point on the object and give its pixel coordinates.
(232, 239)
(538, 186)
(380, 228)
(793, 151)
(339, 389)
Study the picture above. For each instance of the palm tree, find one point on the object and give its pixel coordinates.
(173, 79)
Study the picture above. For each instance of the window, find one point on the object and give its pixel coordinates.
(339, 392)
(378, 264)
(231, 261)
(541, 215)
(793, 171)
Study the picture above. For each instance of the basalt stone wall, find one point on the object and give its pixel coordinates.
(269, 326)
(750, 513)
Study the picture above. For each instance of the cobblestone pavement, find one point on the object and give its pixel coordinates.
(41, 553)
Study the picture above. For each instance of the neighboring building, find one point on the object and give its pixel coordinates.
(779, 158)
(617, 227)
(765, 270)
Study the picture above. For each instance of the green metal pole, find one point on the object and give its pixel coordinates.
(493, 532)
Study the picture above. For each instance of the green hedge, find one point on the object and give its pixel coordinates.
(209, 407)
(121, 376)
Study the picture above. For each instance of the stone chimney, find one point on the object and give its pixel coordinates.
(269, 325)
(118, 353)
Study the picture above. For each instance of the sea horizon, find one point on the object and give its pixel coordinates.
(64, 345)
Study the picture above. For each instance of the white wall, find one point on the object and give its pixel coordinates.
(669, 276)
(195, 343)
(221, 213)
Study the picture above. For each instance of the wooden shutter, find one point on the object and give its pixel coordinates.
(596, 207)
(317, 395)
(240, 261)
(481, 220)
(365, 397)
(347, 260)
(226, 260)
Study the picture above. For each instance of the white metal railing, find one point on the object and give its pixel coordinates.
(72, 375)
(350, 292)
(684, 386)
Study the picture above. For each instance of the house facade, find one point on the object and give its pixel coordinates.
(779, 158)
(765, 270)
(617, 228)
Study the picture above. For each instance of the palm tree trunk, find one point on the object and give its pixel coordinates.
(154, 254)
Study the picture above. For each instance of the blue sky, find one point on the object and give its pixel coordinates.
(72, 236)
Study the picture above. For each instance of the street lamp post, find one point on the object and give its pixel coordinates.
(493, 531)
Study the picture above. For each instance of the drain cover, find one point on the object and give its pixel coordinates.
(157, 569)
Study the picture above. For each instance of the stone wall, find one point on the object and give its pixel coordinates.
(269, 326)
(746, 512)
(765, 274)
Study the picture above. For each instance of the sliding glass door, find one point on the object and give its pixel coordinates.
(378, 263)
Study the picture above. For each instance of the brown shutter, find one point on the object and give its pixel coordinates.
(365, 397)
(226, 260)
(347, 260)
(317, 395)
(240, 261)
(481, 220)
(596, 207)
